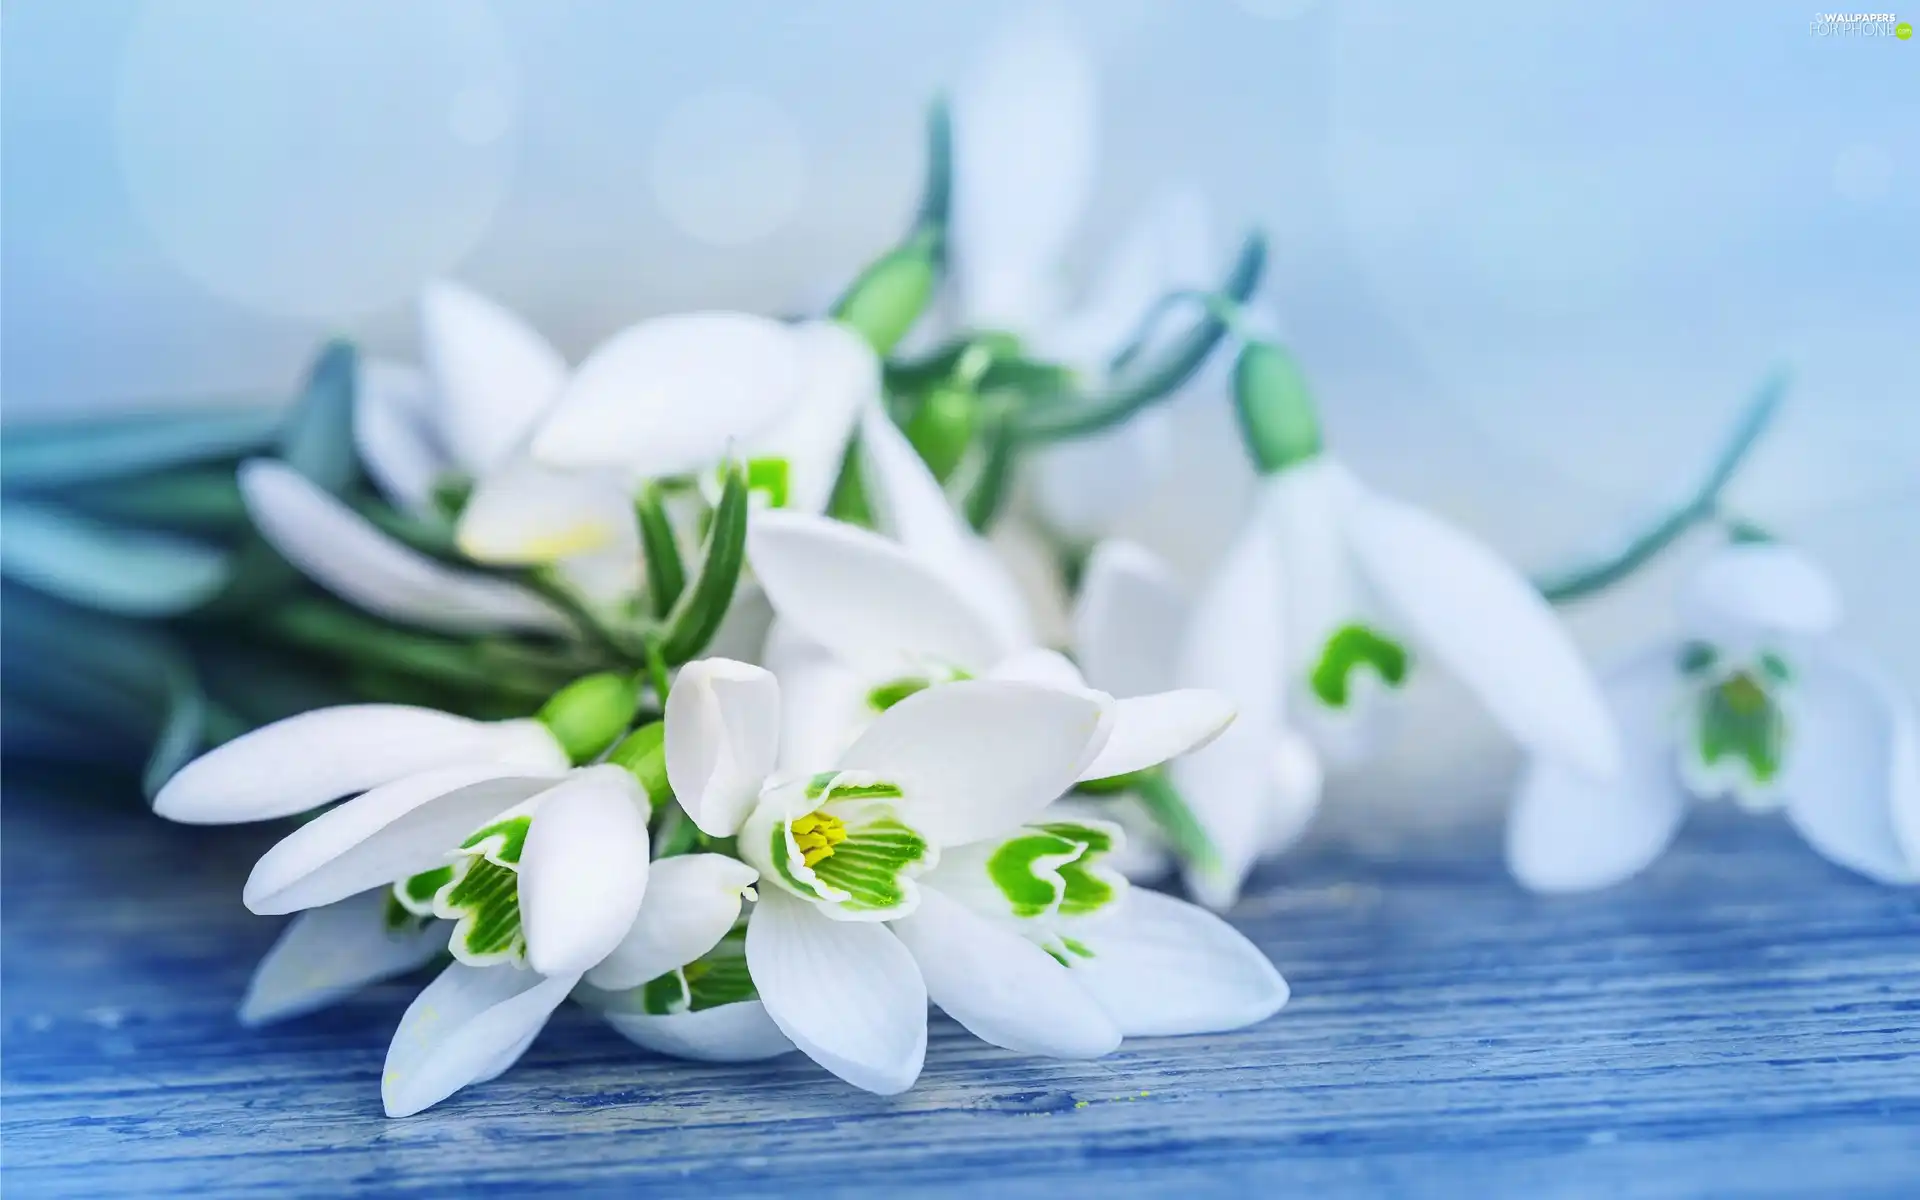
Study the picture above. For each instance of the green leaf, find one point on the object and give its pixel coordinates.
(98, 668)
(666, 574)
(56, 455)
(697, 615)
(128, 572)
(196, 499)
(317, 440)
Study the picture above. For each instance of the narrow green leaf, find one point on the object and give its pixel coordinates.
(693, 621)
(666, 574)
(194, 499)
(318, 438)
(129, 572)
(68, 452)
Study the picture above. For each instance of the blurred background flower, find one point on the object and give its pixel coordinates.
(1534, 257)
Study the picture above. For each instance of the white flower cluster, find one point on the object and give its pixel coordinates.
(815, 768)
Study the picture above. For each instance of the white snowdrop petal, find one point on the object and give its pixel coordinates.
(495, 375)
(722, 740)
(1489, 625)
(326, 954)
(846, 992)
(670, 395)
(1163, 967)
(1083, 488)
(1233, 646)
(825, 702)
(525, 514)
(385, 835)
(583, 871)
(1852, 770)
(866, 599)
(342, 552)
(1004, 989)
(910, 506)
(841, 379)
(1759, 587)
(692, 901)
(323, 754)
(1036, 664)
(469, 1025)
(395, 435)
(727, 1034)
(1128, 619)
(1150, 730)
(978, 757)
(1570, 831)
(1024, 145)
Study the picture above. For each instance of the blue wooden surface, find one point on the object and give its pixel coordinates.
(1740, 1022)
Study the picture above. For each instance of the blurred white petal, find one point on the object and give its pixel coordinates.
(494, 374)
(326, 954)
(1852, 770)
(469, 1025)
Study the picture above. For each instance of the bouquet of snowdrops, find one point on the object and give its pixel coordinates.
(684, 682)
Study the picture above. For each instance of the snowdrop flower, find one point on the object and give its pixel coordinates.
(555, 458)
(480, 839)
(1330, 589)
(840, 850)
(935, 822)
(1756, 703)
(865, 621)
(1025, 129)
(1253, 788)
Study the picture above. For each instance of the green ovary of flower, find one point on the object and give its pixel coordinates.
(1741, 721)
(1350, 648)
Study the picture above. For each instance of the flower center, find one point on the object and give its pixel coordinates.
(1739, 733)
(480, 891)
(816, 834)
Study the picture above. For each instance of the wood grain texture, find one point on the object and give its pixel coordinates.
(1740, 1022)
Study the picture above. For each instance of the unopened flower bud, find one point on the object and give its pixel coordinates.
(890, 295)
(587, 715)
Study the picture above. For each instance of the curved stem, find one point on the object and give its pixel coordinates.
(1080, 417)
(1702, 506)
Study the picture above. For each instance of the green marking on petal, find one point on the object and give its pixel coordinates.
(481, 892)
(892, 692)
(848, 785)
(1053, 870)
(1351, 647)
(853, 852)
(1740, 721)
(1697, 658)
(502, 841)
(416, 892)
(888, 694)
(1775, 667)
(768, 476)
(1075, 947)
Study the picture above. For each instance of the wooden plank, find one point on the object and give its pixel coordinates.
(1740, 1022)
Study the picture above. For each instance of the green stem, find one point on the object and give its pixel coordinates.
(1702, 506)
(656, 671)
(1169, 810)
(1080, 417)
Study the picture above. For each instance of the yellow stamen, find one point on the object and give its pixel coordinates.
(817, 834)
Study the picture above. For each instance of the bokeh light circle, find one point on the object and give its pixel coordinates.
(316, 160)
(728, 167)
